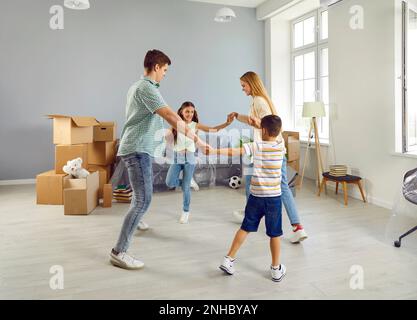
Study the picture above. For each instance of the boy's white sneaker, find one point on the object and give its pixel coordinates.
(298, 234)
(278, 273)
(239, 215)
(194, 185)
(184, 217)
(228, 265)
(125, 261)
(143, 225)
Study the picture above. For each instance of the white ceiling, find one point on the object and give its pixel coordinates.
(238, 3)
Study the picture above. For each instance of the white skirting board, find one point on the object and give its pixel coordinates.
(354, 193)
(17, 182)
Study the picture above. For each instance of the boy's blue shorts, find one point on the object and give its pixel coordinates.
(256, 208)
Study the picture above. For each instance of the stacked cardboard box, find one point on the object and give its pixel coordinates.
(94, 143)
(101, 152)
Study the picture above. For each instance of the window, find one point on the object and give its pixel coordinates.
(409, 78)
(310, 71)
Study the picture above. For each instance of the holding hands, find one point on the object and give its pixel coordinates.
(254, 122)
(231, 117)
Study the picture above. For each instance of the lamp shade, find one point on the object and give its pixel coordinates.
(313, 109)
(77, 4)
(225, 15)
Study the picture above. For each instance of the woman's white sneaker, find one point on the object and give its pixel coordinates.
(143, 225)
(239, 215)
(184, 217)
(298, 234)
(125, 261)
(228, 265)
(278, 273)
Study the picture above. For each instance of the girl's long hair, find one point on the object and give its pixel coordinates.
(179, 112)
(258, 89)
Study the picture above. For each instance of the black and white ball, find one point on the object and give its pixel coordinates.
(235, 182)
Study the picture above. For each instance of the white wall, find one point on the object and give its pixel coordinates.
(363, 70)
(362, 93)
(87, 68)
(278, 70)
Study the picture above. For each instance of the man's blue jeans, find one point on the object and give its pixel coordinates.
(139, 167)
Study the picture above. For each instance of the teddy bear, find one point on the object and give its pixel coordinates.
(74, 169)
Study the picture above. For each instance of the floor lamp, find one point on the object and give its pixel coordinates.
(313, 110)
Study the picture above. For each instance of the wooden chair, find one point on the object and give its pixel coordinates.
(345, 180)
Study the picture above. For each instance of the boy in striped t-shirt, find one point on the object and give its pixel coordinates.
(265, 197)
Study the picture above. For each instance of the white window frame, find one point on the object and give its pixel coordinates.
(406, 148)
(318, 45)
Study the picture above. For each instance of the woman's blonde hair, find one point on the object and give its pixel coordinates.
(257, 88)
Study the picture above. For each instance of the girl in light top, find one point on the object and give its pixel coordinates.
(184, 154)
(262, 106)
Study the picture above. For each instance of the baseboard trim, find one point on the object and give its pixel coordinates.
(355, 194)
(17, 182)
(352, 193)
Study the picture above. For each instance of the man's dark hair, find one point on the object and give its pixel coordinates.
(272, 124)
(155, 57)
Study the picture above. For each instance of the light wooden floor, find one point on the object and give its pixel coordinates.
(182, 260)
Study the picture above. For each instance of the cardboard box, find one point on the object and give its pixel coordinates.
(101, 153)
(293, 149)
(72, 130)
(105, 131)
(292, 144)
(81, 195)
(104, 176)
(107, 195)
(49, 188)
(63, 153)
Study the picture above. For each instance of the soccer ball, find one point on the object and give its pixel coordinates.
(235, 182)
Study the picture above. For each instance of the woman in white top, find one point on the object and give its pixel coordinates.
(262, 106)
(184, 158)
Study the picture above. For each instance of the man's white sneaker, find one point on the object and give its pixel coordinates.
(298, 234)
(194, 185)
(227, 265)
(143, 225)
(278, 273)
(125, 261)
(239, 215)
(184, 217)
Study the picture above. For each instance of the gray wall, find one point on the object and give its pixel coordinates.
(87, 68)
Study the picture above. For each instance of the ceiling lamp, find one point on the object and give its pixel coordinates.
(77, 4)
(225, 15)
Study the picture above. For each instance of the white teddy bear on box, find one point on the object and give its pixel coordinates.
(75, 169)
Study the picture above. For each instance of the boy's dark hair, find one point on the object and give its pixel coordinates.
(155, 57)
(272, 124)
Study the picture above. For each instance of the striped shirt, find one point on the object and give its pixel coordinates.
(144, 130)
(267, 162)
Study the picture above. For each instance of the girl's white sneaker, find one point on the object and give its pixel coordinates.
(184, 217)
(194, 185)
